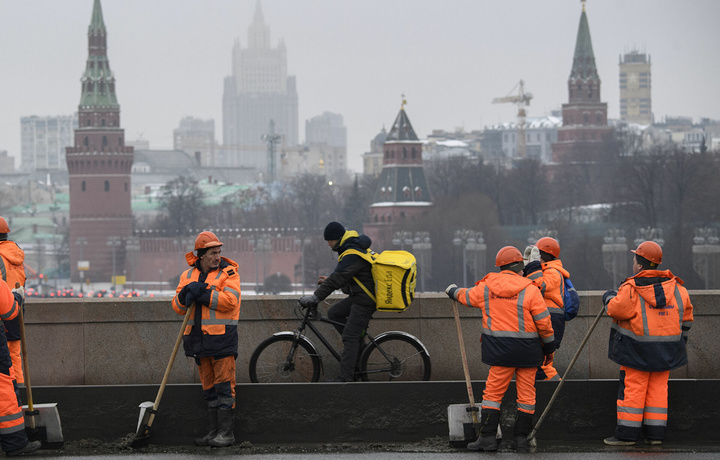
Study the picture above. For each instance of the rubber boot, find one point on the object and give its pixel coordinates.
(213, 424)
(226, 429)
(487, 441)
(523, 424)
(31, 446)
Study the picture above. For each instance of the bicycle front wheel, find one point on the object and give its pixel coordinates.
(395, 357)
(284, 359)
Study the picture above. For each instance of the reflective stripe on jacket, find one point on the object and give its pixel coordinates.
(552, 286)
(220, 311)
(515, 319)
(652, 315)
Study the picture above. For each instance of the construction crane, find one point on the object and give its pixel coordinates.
(522, 99)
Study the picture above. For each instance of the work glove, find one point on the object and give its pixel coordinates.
(450, 291)
(609, 295)
(532, 267)
(548, 360)
(548, 348)
(197, 289)
(531, 254)
(19, 291)
(182, 295)
(309, 301)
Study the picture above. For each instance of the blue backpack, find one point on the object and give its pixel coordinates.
(571, 300)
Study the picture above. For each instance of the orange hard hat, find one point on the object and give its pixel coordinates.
(206, 240)
(649, 250)
(549, 245)
(4, 226)
(508, 255)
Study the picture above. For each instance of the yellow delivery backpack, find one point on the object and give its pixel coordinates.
(395, 276)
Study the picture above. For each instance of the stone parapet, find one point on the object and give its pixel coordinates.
(128, 341)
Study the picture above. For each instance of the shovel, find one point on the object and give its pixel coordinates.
(462, 429)
(532, 442)
(42, 421)
(148, 409)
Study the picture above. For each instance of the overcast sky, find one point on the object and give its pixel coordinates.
(356, 58)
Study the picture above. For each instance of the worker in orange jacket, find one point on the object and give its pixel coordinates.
(212, 284)
(517, 337)
(652, 316)
(12, 271)
(546, 271)
(13, 439)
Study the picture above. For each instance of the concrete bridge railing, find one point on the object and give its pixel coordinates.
(104, 341)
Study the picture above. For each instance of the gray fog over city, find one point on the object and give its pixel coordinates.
(356, 59)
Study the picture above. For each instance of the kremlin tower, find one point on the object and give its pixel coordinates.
(99, 166)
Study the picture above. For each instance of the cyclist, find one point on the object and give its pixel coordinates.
(356, 310)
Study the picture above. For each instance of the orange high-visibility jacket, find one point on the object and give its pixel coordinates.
(515, 320)
(11, 416)
(551, 283)
(216, 315)
(652, 316)
(12, 271)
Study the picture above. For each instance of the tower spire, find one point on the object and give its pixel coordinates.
(584, 59)
(98, 81)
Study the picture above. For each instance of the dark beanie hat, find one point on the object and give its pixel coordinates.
(334, 231)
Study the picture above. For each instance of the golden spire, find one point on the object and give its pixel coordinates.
(583, 5)
(404, 102)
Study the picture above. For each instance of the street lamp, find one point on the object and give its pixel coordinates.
(402, 239)
(114, 242)
(302, 242)
(474, 242)
(260, 243)
(132, 245)
(706, 256)
(81, 242)
(422, 247)
(614, 251)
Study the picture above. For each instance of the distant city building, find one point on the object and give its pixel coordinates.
(258, 91)
(197, 138)
(7, 163)
(636, 88)
(373, 160)
(99, 165)
(540, 135)
(44, 139)
(326, 134)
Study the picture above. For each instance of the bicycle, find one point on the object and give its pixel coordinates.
(290, 357)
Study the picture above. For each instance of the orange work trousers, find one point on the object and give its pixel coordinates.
(497, 384)
(16, 356)
(642, 403)
(218, 381)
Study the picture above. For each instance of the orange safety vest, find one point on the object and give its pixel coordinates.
(515, 320)
(219, 318)
(11, 416)
(12, 271)
(652, 316)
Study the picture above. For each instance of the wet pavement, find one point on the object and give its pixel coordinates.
(436, 448)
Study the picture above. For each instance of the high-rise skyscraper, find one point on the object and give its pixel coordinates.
(99, 166)
(258, 91)
(584, 129)
(635, 88)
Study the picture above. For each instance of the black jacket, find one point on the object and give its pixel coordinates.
(349, 266)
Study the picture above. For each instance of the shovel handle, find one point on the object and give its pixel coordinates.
(468, 383)
(23, 352)
(188, 314)
(567, 371)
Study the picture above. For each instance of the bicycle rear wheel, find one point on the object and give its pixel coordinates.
(283, 359)
(395, 356)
